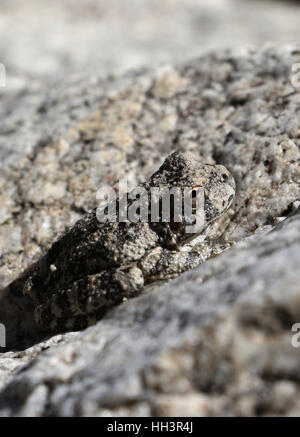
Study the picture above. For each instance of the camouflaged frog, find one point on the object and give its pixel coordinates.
(95, 266)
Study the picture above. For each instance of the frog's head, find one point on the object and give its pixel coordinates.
(207, 189)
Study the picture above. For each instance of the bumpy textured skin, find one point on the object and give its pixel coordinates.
(95, 266)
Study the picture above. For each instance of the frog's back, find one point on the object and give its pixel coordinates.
(89, 247)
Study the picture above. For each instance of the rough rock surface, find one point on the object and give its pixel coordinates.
(92, 38)
(221, 334)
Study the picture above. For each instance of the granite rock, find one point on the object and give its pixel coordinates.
(236, 108)
(221, 334)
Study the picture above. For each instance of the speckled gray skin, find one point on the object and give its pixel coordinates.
(95, 266)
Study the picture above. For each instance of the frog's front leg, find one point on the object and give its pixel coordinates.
(160, 263)
(87, 300)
